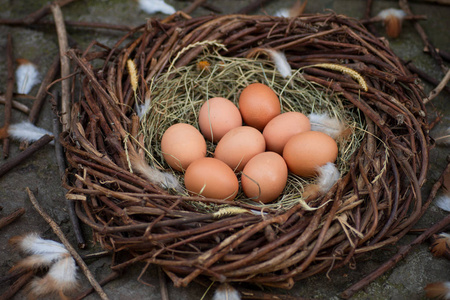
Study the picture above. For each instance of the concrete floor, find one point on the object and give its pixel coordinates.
(40, 173)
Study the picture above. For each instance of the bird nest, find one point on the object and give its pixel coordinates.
(118, 183)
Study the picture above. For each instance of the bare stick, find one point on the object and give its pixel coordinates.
(59, 152)
(9, 92)
(17, 285)
(68, 246)
(16, 104)
(65, 65)
(21, 22)
(193, 6)
(163, 285)
(405, 6)
(11, 217)
(113, 275)
(405, 249)
(253, 6)
(10, 164)
(45, 10)
(434, 93)
(41, 94)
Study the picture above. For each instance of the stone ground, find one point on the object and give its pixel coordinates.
(40, 173)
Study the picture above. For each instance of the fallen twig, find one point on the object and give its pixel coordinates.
(11, 217)
(434, 93)
(42, 92)
(163, 285)
(17, 285)
(82, 24)
(9, 92)
(6, 167)
(253, 6)
(405, 6)
(43, 11)
(68, 246)
(424, 75)
(16, 104)
(113, 275)
(193, 6)
(65, 65)
(405, 249)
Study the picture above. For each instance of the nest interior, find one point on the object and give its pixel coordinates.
(374, 204)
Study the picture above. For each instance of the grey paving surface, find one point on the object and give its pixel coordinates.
(39, 45)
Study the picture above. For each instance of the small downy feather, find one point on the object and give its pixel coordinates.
(328, 175)
(328, 125)
(60, 279)
(43, 252)
(438, 290)
(27, 131)
(392, 19)
(165, 180)
(296, 10)
(281, 62)
(141, 109)
(443, 202)
(441, 244)
(27, 76)
(226, 292)
(154, 6)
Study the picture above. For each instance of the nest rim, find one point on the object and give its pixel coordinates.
(128, 213)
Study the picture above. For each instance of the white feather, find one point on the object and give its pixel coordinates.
(400, 14)
(282, 12)
(26, 131)
(61, 278)
(324, 123)
(27, 76)
(226, 292)
(154, 6)
(281, 62)
(328, 176)
(141, 110)
(443, 202)
(32, 243)
(163, 179)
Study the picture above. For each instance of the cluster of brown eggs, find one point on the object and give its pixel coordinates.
(262, 151)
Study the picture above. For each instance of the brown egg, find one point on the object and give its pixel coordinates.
(239, 145)
(211, 178)
(217, 116)
(306, 151)
(181, 144)
(258, 104)
(281, 128)
(264, 177)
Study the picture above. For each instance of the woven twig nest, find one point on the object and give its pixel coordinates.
(374, 203)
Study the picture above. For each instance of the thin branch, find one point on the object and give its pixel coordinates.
(65, 65)
(113, 275)
(16, 104)
(43, 11)
(163, 285)
(434, 93)
(17, 285)
(42, 93)
(13, 162)
(68, 246)
(253, 6)
(193, 6)
(11, 217)
(82, 24)
(9, 92)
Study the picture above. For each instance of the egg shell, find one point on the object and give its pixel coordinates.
(306, 151)
(264, 177)
(258, 104)
(211, 178)
(217, 116)
(239, 145)
(281, 128)
(181, 144)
